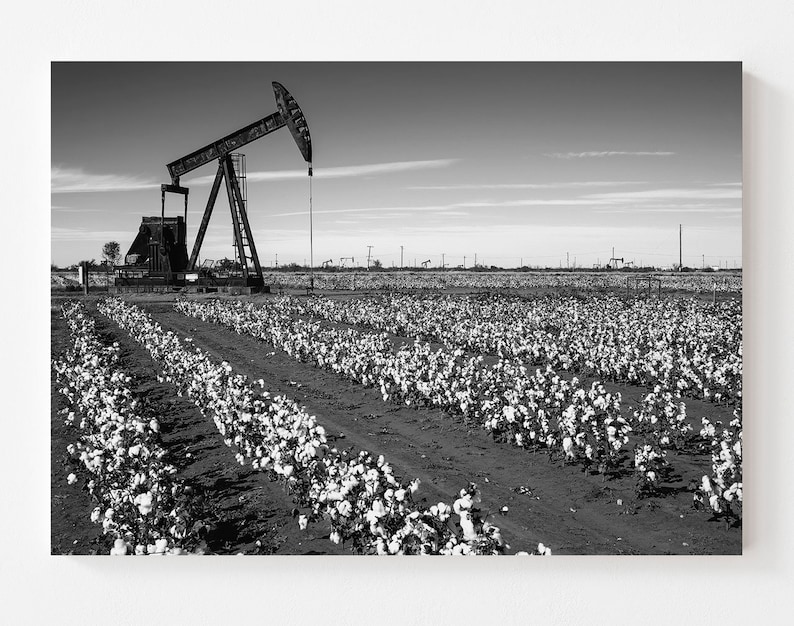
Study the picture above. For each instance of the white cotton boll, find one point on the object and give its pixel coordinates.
(467, 525)
(706, 484)
(344, 507)
(71, 479)
(335, 537)
(303, 522)
(95, 514)
(461, 504)
(378, 509)
(154, 425)
(119, 548)
(144, 502)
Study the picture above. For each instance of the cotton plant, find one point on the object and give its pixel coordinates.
(693, 347)
(721, 492)
(659, 424)
(367, 507)
(117, 452)
(414, 375)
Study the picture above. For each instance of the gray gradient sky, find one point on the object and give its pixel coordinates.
(509, 161)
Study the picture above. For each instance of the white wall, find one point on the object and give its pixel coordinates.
(37, 588)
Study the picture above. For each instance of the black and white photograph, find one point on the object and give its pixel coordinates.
(396, 308)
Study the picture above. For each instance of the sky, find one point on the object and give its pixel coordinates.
(537, 164)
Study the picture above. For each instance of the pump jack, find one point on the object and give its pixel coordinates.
(159, 252)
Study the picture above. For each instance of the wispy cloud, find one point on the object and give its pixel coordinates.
(71, 209)
(685, 193)
(603, 153)
(344, 171)
(81, 234)
(696, 200)
(719, 211)
(400, 210)
(75, 180)
(561, 185)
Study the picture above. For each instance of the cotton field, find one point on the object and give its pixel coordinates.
(403, 419)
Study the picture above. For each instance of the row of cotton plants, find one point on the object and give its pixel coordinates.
(530, 410)
(367, 506)
(435, 280)
(141, 505)
(722, 490)
(660, 424)
(686, 345)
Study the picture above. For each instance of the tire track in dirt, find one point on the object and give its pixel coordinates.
(573, 512)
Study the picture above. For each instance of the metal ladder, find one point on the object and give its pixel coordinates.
(249, 263)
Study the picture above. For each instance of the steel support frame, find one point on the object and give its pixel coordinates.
(241, 224)
(202, 231)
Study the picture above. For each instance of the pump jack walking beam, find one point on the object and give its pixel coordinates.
(220, 148)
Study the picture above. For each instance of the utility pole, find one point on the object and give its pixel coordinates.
(369, 251)
(276, 259)
(680, 248)
(703, 263)
(401, 257)
(567, 260)
(475, 259)
(443, 264)
(464, 262)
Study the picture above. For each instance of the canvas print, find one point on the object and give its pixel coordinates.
(396, 308)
